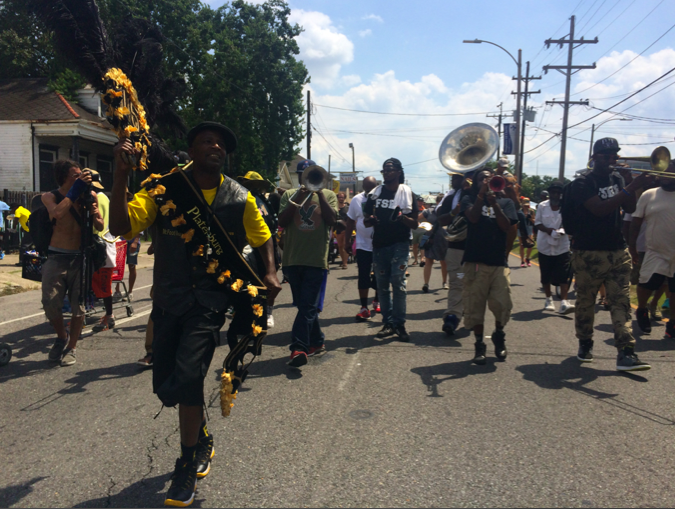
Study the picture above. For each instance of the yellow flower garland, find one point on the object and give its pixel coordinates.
(226, 395)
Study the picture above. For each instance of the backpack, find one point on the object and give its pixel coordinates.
(42, 227)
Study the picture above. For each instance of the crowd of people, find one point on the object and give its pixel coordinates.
(593, 233)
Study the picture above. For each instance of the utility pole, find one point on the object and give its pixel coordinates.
(527, 78)
(309, 127)
(567, 71)
(499, 124)
(516, 115)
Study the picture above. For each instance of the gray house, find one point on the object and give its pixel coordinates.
(38, 126)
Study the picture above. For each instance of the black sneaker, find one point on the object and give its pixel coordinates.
(645, 324)
(204, 455)
(402, 334)
(450, 324)
(585, 350)
(499, 340)
(670, 330)
(297, 359)
(386, 331)
(479, 358)
(183, 484)
(628, 361)
(56, 351)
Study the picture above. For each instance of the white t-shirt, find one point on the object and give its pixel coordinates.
(641, 244)
(551, 245)
(364, 236)
(657, 208)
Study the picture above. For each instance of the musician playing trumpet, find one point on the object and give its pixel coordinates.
(490, 216)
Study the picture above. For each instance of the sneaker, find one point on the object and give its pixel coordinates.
(56, 351)
(499, 340)
(548, 305)
(270, 321)
(422, 263)
(585, 353)
(145, 362)
(297, 359)
(402, 333)
(670, 330)
(450, 324)
(386, 331)
(626, 360)
(666, 305)
(183, 484)
(68, 358)
(642, 316)
(425, 288)
(479, 358)
(363, 316)
(131, 296)
(106, 323)
(204, 455)
(117, 296)
(655, 313)
(529, 263)
(376, 307)
(316, 350)
(522, 265)
(445, 286)
(566, 308)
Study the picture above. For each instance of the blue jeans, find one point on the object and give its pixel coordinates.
(390, 264)
(306, 285)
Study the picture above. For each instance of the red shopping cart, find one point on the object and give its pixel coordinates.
(118, 272)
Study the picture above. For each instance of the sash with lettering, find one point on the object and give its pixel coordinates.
(216, 255)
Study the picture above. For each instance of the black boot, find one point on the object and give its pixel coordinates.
(479, 358)
(499, 340)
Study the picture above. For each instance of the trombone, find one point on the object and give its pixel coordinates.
(659, 161)
(316, 179)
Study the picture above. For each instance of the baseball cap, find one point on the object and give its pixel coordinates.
(227, 134)
(303, 165)
(96, 183)
(606, 146)
(556, 184)
(503, 161)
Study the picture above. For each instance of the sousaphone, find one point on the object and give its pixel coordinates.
(468, 147)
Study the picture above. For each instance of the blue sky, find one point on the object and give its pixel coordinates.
(400, 57)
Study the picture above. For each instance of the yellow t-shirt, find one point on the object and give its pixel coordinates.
(143, 211)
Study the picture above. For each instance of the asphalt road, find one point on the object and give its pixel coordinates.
(371, 423)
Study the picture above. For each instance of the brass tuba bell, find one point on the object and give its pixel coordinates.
(468, 147)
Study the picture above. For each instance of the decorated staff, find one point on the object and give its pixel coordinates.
(203, 221)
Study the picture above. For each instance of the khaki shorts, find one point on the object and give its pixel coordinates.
(486, 284)
(61, 275)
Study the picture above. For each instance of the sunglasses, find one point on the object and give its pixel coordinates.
(388, 170)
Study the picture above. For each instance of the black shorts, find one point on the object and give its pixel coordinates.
(183, 348)
(555, 270)
(657, 280)
(364, 260)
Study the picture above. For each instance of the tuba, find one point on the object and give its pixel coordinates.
(468, 147)
(314, 178)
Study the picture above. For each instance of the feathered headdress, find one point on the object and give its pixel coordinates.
(133, 54)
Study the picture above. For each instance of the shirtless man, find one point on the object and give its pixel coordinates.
(61, 272)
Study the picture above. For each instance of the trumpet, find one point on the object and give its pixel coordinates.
(659, 161)
(497, 183)
(315, 178)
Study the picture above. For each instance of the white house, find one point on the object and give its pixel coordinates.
(38, 126)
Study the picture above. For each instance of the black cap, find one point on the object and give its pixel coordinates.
(303, 165)
(606, 146)
(228, 136)
(556, 184)
(394, 162)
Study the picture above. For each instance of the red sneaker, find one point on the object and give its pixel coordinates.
(297, 359)
(363, 316)
(376, 307)
(316, 350)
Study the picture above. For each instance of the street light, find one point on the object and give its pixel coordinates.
(351, 146)
(590, 148)
(518, 62)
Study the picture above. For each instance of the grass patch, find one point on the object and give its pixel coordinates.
(12, 290)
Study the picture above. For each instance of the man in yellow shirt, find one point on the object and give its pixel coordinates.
(189, 297)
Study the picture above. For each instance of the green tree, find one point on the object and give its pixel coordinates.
(533, 185)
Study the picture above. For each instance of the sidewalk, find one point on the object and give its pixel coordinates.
(11, 281)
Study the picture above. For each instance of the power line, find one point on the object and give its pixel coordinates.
(406, 114)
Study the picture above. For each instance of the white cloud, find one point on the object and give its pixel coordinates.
(365, 33)
(351, 79)
(322, 47)
(373, 17)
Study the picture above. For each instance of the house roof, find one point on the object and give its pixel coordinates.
(30, 99)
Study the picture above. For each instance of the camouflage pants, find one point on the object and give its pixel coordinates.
(592, 269)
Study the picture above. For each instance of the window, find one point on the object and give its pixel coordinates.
(104, 166)
(48, 155)
(83, 159)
